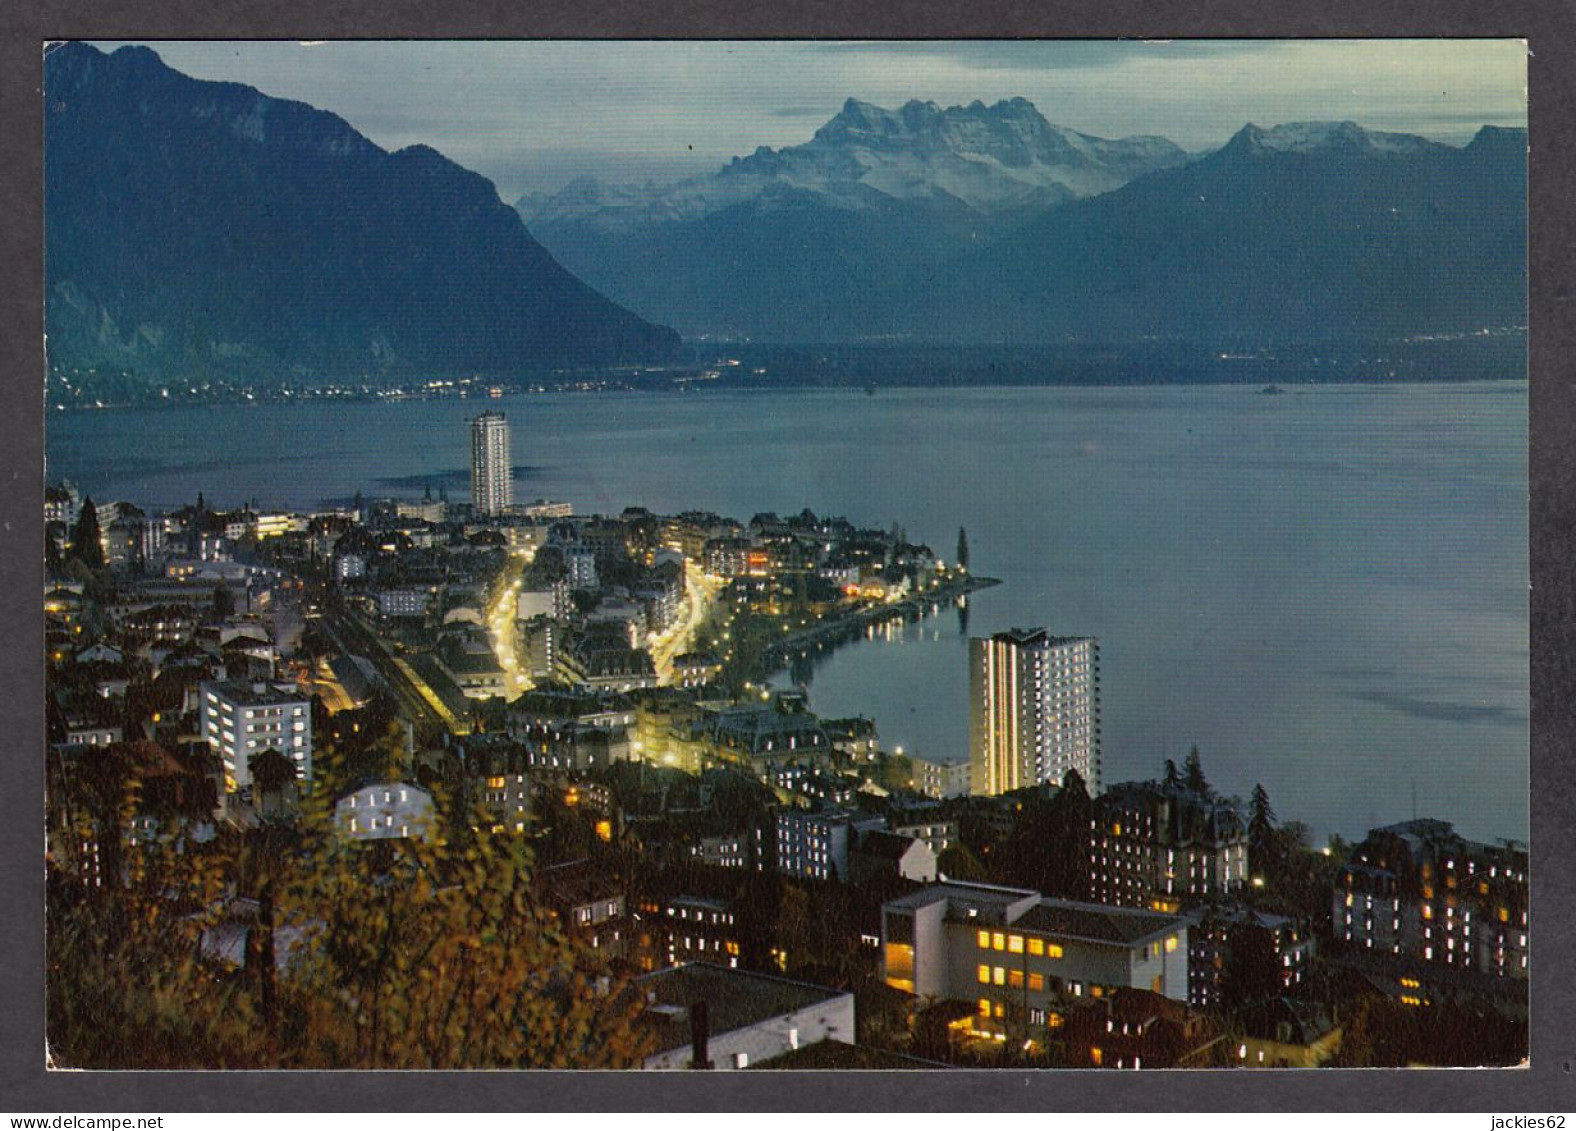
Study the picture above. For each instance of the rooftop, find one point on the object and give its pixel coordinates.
(1097, 922)
(1030, 911)
(246, 693)
(735, 999)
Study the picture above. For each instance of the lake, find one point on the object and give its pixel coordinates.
(1325, 590)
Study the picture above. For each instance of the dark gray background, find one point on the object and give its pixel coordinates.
(1549, 1085)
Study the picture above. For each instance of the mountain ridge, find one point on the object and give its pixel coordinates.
(265, 234)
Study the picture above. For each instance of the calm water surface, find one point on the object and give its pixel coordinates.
(1326, 590)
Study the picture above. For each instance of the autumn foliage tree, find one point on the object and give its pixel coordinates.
(395, 954)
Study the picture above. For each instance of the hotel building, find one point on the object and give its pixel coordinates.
(492, 483)
(1034, 710)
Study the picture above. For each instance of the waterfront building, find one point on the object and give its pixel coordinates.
(1421, 890)
(1162, 845)
(1022, 957)
(1034, 710)
(492, 475)
(240, 720)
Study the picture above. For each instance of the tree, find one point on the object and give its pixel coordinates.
(963, 549)
(958, 862)
(223, 602)
(1173, 778)
(1193, 773)
(1264, 848)
(87, 546)
(1261, 815)
(399, 954)
(1252, 971)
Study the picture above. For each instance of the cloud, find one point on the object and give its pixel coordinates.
(1435, 711)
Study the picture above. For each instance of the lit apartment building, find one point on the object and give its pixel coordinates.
(492, 476)
(406, 602)
(817, 846)
(1022, 957)
(1419, 889)
(590, 903)
(734, 850)
(1215, 929)
(241, 720)
(688, 928)
(938, 779)
(1034, 710)
(1161, 845)
(386, 811)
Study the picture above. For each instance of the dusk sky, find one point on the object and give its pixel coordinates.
(532, 115)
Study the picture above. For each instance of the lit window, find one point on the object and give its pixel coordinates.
(1036, 946)
(999, 975)
(984, 940)
(998, 941)
(1015, 944)
(984, 975)
(1037, 982)
(1171, 944)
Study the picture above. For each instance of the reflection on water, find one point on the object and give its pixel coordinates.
(1325, 590)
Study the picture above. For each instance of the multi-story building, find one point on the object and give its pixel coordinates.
(1034, 710)
(408, 602)
(240, 720)
(1134, 1029)
(62, 504)
(763, 738)
(940, 780)
(733, 850)
(492, 475)
(817, 846)
(688, 928)
(1420, 889)
(386, 811)
(926, 825)
(590, 903)
(1161, 845)
(1216, 930)
(696, 669)
(1022, 957)
(580, 561)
